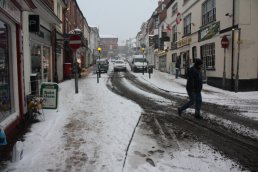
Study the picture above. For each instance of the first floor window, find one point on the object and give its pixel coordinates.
(208, 12)
(208, 55)
(174, 33)
(187, 25)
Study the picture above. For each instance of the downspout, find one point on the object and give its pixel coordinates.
(233, 48)
(19, 69)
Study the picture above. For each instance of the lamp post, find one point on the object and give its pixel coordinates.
(143, 61)
(98, 70)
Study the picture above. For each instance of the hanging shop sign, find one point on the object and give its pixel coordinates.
(209, 31)
(34, 24)
(49, 91)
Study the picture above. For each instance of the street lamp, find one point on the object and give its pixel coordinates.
(143, 61)
(98, 73)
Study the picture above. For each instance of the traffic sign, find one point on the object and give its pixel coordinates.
(224, 42)
(75, 42)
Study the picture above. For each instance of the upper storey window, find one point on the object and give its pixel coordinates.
(208, 12)
(185, 1)
(187, 25)
(174, 9)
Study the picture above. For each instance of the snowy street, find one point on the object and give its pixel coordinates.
(128, 122)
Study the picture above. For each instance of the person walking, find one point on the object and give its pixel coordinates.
(194, 88)
(177, 67)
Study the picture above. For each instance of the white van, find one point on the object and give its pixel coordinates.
(139, 63)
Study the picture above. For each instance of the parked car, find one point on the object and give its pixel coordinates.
(119, 65)
(113, 59)
(103, 65)
(139, 63)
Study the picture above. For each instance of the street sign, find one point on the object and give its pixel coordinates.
(49, 91)
(75, 42)
(224, 42)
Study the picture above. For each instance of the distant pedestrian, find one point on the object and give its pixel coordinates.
(194, 88)
(177, 67)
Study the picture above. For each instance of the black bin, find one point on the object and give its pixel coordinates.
(34, 84)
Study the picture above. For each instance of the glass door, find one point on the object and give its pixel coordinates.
(45, 64)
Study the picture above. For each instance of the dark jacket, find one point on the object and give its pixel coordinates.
(194, 80)
(177, 64)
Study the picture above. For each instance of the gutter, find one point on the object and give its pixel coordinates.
(233, 48)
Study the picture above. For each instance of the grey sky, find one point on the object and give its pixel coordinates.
(122, 18)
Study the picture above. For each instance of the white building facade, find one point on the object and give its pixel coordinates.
(197, 31)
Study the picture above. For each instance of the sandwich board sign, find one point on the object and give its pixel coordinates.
(49, 91)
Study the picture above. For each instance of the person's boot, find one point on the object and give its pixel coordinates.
(179, 111)
(197, 115)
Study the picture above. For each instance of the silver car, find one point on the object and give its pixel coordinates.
(119, 65)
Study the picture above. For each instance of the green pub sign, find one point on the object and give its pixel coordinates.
(49, 91)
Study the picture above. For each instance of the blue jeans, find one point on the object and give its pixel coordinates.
(194, 98)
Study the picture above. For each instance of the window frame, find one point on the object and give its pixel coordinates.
(187, 25)
(208, 12)
(208, 54)
(7, 79)
(174, 33)
(174, 9)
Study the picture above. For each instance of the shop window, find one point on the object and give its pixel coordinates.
(46, 60)
(208, 55)
(6, 99)
(174, 57)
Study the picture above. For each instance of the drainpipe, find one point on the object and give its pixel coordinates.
(19, 70)
(233, 48)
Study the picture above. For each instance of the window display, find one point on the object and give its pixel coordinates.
(40, 58)
(5, 93)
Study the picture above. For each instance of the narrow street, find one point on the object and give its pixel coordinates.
(162, 118)
(128, 123)
(75, 94)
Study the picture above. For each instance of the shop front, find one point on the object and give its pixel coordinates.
(184, 49)
(41, 60)
(162, 59)
(10, 67)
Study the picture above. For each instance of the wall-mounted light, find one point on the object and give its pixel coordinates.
(193, 24)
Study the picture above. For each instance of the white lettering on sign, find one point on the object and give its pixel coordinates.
(75, 42)
(11, 10)
(50, 96)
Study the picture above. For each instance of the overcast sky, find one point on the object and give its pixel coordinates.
(121, 18)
